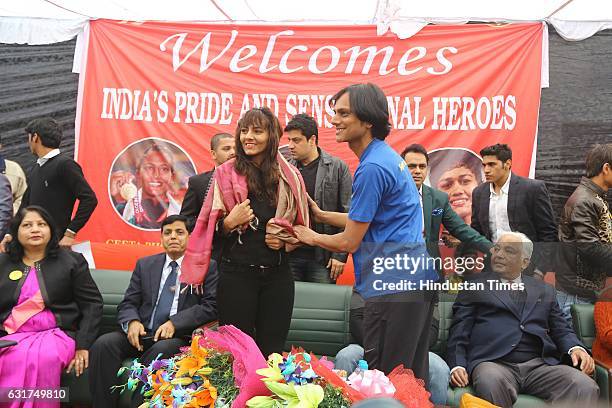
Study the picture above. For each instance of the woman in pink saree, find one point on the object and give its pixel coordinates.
(50, 306)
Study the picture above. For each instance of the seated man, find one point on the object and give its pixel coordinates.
(507, 342)
(348, 357)
(155, 315)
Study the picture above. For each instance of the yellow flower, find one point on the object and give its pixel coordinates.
(272, 373)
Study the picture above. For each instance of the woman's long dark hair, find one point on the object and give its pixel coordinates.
(262, 179)
(15, 249)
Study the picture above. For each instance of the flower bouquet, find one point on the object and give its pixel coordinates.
(293, 381)
(217, 370)
(300, 380)
(225, 369)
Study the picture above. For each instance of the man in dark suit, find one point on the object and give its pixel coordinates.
(508, 335)
(156, 317)
(437, 209)
(222, 149)
(508, 202)
(56, 182)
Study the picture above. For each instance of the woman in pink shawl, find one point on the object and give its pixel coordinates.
(251, 206)
(50, 306)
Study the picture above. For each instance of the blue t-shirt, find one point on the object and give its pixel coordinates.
(384, 194)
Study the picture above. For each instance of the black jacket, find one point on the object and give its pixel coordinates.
(68, 290)
(333, 188)
(195, 195)
(529, 211)
(55, 186)
(194, 310)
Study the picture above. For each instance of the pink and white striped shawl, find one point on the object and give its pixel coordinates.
(229, 189)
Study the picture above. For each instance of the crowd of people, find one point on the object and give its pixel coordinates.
(266, 217)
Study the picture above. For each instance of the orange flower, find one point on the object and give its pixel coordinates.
(193, 362)
(202, 398)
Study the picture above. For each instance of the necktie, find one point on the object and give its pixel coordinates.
(164, 303)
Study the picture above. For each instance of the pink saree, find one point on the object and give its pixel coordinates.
(43, 349)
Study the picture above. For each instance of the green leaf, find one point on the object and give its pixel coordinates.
(285, 391)
(181, 381)
(310, 395)
(294, 403)
(261, 402)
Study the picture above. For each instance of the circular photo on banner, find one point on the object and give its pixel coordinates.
(457, 172)
(148, 180)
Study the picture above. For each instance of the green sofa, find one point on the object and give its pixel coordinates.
(584, 325)
(320, 324)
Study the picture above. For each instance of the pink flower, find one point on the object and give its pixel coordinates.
(247, 360)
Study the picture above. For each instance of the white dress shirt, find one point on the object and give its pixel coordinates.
(498, 210)
(46, 157)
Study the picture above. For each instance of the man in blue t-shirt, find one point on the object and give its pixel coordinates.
(383, 230)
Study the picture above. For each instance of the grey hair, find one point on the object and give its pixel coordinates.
(527, 244)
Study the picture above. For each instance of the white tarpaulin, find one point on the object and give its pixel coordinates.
(49, 21)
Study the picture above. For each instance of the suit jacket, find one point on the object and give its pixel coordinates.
(55, 186)
(437, 210)
(487, 324)
(529, 211)
(68, 290)
(333, 188)
(194, 310)
(195, 195)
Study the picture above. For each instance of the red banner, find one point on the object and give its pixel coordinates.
(153, 94)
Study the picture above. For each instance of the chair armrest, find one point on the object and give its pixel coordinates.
(608, 367)
(602, 382)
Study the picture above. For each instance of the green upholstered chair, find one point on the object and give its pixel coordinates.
(320, 321)
(584, 326)
(112, 285)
